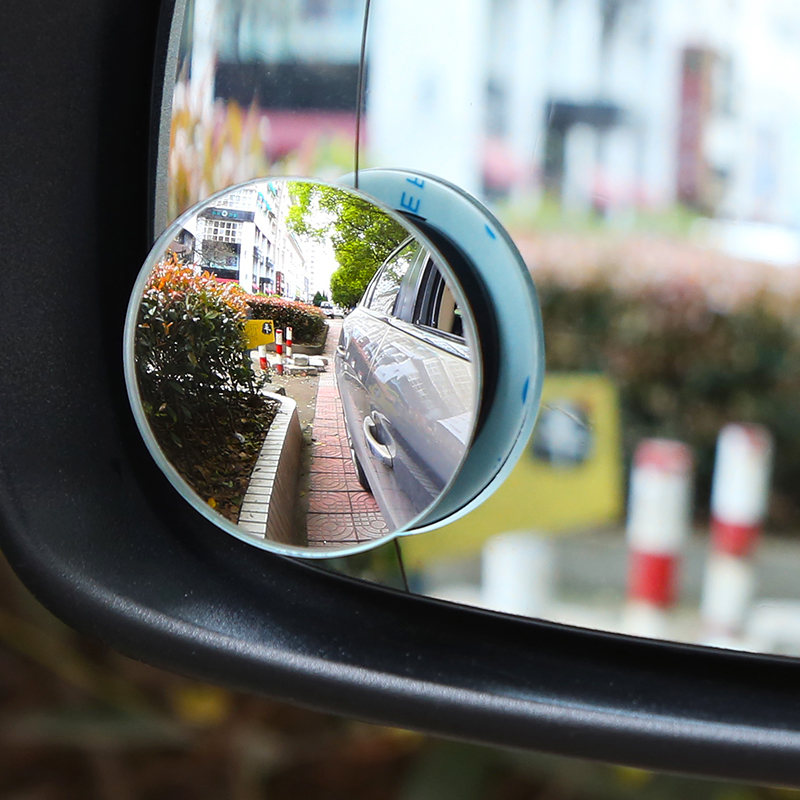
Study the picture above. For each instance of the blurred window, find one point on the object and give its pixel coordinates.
(321, 9)
(318, 8)
(217, 230)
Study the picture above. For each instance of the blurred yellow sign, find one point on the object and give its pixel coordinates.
(258, 332)
(568, 478)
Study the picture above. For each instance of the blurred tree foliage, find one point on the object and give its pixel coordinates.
(685, 369)
(209, 153)
(362, 235)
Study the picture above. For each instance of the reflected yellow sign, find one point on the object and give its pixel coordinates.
(570, 476)
(258, 332)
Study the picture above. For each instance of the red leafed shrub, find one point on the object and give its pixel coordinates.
(307, 321)
(196, 381)
(190, 340)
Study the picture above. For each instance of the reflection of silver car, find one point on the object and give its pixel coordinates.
(407, 384)
(330, 310)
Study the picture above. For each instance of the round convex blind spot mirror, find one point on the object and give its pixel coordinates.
(310, 430)
(503, 297)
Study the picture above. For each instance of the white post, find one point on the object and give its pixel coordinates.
(659, 523)
(517, 574)
(739, 498)
(279, 350)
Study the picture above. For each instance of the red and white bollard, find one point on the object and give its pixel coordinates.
(288, 342)
(262, 357)
(659, 524)
(739, 499)
(279, 350)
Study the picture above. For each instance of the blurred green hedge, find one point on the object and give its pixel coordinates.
(307, 321)
(684, 368)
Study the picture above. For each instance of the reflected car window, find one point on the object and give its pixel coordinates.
(387, 284)
(436, 305)
(448, 314)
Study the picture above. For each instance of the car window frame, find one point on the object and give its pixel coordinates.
(431, 278)
(367, 297)
(441, 340)
(406, 301)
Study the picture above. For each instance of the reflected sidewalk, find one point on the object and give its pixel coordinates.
(340, 512)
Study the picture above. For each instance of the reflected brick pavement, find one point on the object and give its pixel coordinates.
(339, 510)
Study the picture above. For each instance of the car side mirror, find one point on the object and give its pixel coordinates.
(100, 535)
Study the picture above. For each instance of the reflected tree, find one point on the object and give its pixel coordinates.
(362, 235)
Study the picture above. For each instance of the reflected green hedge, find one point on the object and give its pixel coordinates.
(197, 384)
(190, 345)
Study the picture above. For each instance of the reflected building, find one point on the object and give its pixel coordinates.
(243, 237)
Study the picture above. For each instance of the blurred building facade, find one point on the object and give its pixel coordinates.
(606, 104)
(295, 60)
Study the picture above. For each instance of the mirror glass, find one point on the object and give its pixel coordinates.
(644, 158)
(302, 364)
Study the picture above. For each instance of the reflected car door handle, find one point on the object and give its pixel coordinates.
(379, 450)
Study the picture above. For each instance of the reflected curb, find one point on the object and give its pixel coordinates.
(268, 508)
